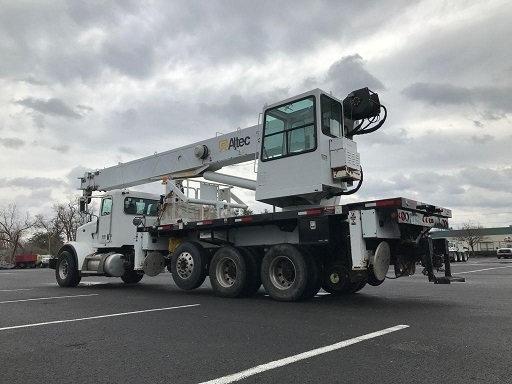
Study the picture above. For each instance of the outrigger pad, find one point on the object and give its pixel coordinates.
(449, 280)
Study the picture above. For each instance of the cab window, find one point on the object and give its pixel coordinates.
(140, 206)
(332, 123)
(289, 129)
(106, 206)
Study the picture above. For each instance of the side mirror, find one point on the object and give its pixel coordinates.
(83, 205)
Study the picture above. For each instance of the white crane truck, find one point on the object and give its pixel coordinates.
(457, 251)
(306, 159)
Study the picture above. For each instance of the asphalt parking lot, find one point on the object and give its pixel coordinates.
(405, 331)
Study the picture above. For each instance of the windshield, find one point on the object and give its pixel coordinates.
(289, 129)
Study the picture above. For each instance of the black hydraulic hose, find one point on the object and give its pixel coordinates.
(352, 191)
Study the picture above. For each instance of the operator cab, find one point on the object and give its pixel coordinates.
(306, 144)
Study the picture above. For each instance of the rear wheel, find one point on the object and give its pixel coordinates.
(315, 275)
(336, 280)
(373, 280)
(228, 272)
(284, 272)
(356, 286)
(189, 265)
(66, 270)
(253, 263)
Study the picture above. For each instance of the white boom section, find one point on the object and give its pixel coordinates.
(188, 161)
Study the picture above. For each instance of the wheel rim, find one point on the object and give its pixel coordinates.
(334, 278)
(282, 272)
(225, 272)
(185, 265)
(63, 269)
(337, 279)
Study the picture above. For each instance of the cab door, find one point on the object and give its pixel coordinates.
(105, 221)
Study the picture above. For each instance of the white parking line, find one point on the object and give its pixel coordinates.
(14, 290)
(95, 317)
(47, 298)
(301, 356)
(480, 270)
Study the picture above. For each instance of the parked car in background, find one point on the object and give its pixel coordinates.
(505, 251)
(45, 260)
(4, 265)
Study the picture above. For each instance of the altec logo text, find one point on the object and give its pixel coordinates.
(234, 143)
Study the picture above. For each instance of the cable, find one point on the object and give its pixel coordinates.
(352, 191)
(366, 130)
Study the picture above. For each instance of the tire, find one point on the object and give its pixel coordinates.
(356, 286)
(284, 272)
(66, 270)
(372, 279)
(189, 265)
(253, 262)
(131, 277)
(229, 272)
(315, 275)
(336, 280)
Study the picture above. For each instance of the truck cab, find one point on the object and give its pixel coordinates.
(104, 246)
(114, 226)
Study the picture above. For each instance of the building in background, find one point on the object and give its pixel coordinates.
(484, 240)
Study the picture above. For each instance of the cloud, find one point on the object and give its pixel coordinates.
(482, 138)
(12, 143)
(64, 148)
(446, 95)
(135, 57)
(127, 150)
(438, 94)
(32, 183)
(33, 81)
(349, 74)
(74, 174)
(115, 81)
(54, 107)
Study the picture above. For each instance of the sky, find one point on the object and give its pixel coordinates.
(87, 84)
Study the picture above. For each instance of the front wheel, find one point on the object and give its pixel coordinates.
(66, 270)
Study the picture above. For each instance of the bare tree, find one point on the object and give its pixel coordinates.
(471, 234)
(69, 218)
(49, 234)
(13, 226)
